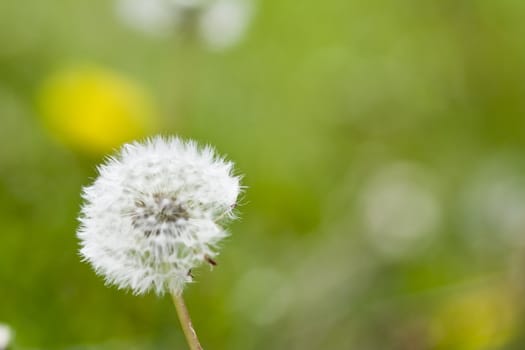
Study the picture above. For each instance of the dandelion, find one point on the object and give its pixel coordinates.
(93, 109)
(154, 214)
(225, 23)
(153, 17)
(6, 336)
(218, 24)
(483, 317)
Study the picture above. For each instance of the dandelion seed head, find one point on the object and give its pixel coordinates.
(6, 335)
(154, 213)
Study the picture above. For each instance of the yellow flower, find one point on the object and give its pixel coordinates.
(479, 319)
(94, 110)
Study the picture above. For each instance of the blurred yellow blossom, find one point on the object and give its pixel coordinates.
(94, 110)
(484, 318)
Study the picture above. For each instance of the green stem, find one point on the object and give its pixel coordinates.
(185, 322)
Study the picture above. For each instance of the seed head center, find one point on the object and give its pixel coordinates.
(155, 212)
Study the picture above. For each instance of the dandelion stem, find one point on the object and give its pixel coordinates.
(185, 321)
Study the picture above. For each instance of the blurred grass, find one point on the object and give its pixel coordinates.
(318, 99)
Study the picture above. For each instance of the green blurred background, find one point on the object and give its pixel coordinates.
(382, 144)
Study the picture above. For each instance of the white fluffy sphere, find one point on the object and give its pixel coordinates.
(154, 213)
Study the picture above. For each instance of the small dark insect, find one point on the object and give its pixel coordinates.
(210, 260)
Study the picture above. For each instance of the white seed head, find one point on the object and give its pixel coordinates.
(224, 23)
(220, 24)
(154, 213)
(6, 336)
